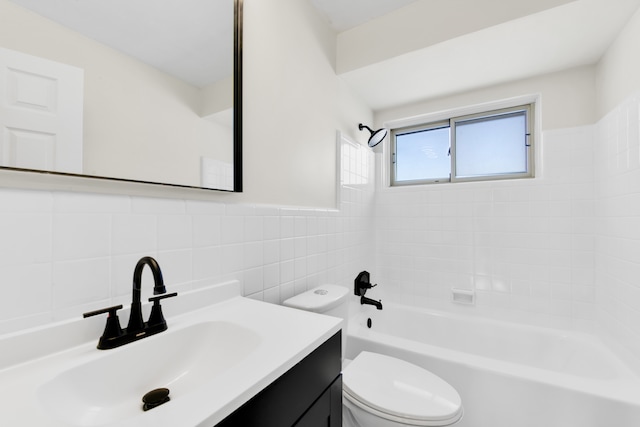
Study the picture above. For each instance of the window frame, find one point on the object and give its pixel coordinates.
(451, 122)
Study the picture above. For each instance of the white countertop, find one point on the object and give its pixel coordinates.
(286, 337)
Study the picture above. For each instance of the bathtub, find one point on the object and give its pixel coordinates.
(508, 375)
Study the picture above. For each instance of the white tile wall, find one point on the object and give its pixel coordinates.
(526, 247)
(562, 250)
(618, 225)
(65, 253)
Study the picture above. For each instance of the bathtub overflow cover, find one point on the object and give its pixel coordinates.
(321, 292)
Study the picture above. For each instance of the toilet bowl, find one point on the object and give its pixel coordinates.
(380, 390)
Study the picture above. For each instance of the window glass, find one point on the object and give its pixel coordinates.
(423, 155)
(495, 144)
(491, 146)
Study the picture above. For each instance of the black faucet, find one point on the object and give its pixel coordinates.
(360, 286)
(365, 300)
(113, 335)
(135, 318)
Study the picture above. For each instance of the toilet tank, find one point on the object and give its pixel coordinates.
(325, 299)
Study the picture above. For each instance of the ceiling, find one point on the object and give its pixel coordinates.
(346, 14)
(525, 43)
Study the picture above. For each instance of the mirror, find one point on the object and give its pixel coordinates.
(132, 90)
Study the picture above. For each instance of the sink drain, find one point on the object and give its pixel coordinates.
(155, 398)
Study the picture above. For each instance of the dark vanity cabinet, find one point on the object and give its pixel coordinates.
(307, 395)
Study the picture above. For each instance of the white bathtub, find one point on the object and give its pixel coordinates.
(507, 375)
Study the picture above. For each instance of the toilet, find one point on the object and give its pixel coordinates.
(380, 390)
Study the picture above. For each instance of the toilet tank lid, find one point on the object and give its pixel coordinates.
(319, 299)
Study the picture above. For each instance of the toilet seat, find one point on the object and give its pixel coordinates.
(399, 391)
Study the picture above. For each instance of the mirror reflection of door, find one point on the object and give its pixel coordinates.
(40, 113)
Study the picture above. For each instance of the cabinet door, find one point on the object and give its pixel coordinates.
(336, 403)
(327, 410)
(319, 415)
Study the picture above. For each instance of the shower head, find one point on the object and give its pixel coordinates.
(376, 136)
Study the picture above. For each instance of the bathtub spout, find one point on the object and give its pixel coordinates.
(365, 300)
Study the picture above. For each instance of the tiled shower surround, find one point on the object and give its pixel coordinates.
(526, 247)
(617, 213)
(560, 250)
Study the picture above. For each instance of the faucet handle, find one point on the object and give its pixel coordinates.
(112, 329)
(160, 297)
(110, 310)
(156, 318)
(362, 283)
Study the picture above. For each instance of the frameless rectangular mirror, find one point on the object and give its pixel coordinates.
(140, 91)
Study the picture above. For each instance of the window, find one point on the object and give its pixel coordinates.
(491, 145)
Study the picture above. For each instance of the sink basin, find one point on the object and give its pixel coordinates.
(109, 388)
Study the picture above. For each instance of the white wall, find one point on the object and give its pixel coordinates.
(524, 246)
(402, 30)
(617, 233)
(619, 70)
(561, 250)
(294, 104)
(65, 253)
(618, 190)
(567, 99)
(527, 247)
